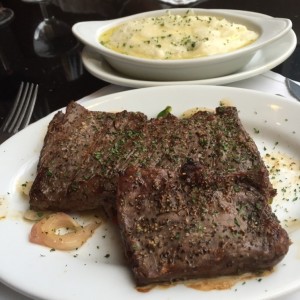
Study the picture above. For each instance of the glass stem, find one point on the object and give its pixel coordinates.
(43, 7)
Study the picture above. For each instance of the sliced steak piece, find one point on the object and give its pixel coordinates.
(65, 147)
(84, 153)
(70, 143)
(196, 223)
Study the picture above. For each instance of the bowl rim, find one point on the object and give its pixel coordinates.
(260, 22)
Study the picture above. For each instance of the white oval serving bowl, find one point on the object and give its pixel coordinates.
(269, 30)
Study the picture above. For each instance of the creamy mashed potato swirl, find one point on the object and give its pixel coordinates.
(177, 36)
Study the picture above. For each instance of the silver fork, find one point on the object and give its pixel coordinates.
(21, 111)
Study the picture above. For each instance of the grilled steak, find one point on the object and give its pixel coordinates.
(70, 148)
(191, 195)
(84, 152)
(196, 222)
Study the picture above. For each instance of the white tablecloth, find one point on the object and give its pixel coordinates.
(268, 82)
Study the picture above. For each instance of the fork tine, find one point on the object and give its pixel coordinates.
(30, 107)
(13, 128)
(26, 116)
(7, 121)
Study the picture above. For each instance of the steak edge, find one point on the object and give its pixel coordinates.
(175, 226)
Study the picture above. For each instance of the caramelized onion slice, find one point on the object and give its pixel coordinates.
(45, 232)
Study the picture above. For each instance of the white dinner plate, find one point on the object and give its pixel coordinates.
(97, 270)
(264, 60)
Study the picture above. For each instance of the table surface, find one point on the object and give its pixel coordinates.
(59, 81)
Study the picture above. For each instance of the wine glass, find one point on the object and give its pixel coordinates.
(52, 37)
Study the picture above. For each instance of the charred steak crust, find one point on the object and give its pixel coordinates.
(192, 224)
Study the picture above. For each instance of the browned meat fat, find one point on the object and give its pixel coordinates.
(196, 223)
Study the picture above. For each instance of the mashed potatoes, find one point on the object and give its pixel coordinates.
(177, 37)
